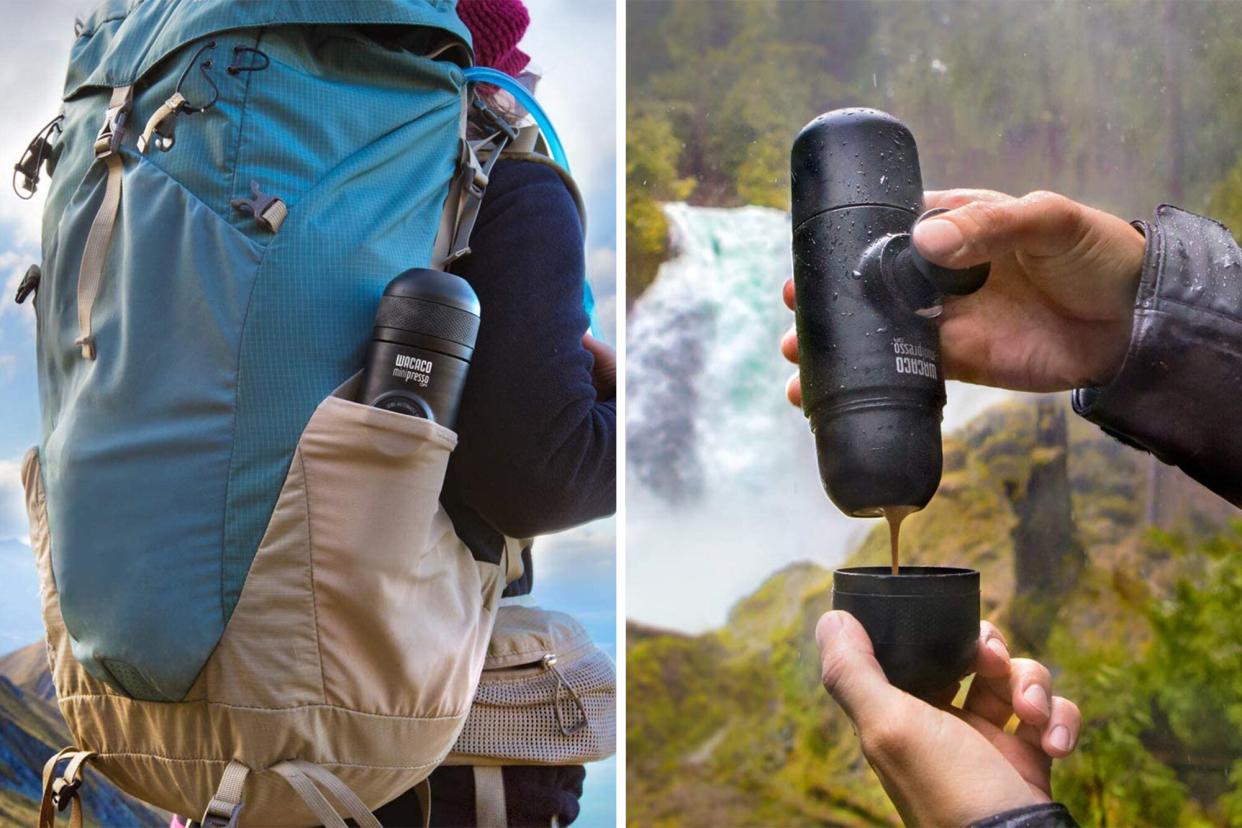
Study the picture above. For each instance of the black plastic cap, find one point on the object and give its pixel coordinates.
(852, 157)
(435, 286)
(923, 623)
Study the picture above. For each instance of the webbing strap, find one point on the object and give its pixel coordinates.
(168, 109)
(60, 792)
(346, 797)
(474, 179)
(47, 811)
(225, 806)
(423, 791)
(448, 216)
(306, 790)
(99, 239)
(465, 197)
(489, 797)
(514, 565)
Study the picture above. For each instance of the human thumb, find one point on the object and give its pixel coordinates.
(1040, 223)
(851, 674)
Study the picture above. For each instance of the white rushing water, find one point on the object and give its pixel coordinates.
(722, 487)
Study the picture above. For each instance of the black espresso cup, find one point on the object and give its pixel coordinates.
(923, 623)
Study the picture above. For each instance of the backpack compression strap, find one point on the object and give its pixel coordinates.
(60, 792)
(99, 239)
(309, 781)
(490, 808)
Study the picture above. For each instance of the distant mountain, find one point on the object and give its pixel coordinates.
(28, 669)
(732, 727)
(31, 731)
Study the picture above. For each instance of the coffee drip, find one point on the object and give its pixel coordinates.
(895, 515)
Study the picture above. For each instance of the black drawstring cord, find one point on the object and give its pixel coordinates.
(203, 67)
(236, 68)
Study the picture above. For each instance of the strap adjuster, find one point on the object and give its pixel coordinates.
(112, 132)
(29, 283)
(211, 820)
(64, 791)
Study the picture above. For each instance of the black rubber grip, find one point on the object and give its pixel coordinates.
(428, 318)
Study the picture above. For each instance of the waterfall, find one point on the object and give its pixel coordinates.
(722, 486)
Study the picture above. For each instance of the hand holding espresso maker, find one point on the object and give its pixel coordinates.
(872, 378)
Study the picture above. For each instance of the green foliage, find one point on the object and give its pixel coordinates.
(1226, 202)
(651, 172)
(1162, 701)
(1122, 103)
(732, 728)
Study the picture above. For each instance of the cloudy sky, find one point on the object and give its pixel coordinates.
(572, 41)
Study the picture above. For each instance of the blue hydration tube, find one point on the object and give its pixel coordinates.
(484, 74)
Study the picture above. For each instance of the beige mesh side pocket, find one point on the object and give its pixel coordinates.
(547, 695)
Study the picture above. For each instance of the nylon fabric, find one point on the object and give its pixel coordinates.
(246, 706)
(121, 40)
(142, 439)
(218, 355)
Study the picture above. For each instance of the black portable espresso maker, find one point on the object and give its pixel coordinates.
(872, 381)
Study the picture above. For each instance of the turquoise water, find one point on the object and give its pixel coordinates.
(722, 483)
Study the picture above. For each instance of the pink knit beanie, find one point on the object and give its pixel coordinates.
(496, 26)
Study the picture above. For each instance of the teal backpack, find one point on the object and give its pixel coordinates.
(249, 587)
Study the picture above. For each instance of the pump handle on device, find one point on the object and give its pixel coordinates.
(946, 280)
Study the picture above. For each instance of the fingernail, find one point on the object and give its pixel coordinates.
(1037, 698)
(1059, 738)
(937, 237)
(997, 646)
(828, 627)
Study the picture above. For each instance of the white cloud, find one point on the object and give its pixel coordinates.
(602, 271)
(32, 74)
(13, 522)
(573, 45)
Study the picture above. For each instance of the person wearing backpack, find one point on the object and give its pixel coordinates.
(554, 391)
(266, 602)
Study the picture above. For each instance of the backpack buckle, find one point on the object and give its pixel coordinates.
(493, 118)
(64, 791)
(269, 211)
(211, 820)
(112, 132)
(29, 283)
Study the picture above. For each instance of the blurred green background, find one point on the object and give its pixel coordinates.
(1121, 104)
(1126, 581)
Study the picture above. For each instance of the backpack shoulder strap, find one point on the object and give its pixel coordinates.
(513, 564)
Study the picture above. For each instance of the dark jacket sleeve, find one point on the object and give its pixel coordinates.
(537, 450)
(1178, 393)
(1048, 815)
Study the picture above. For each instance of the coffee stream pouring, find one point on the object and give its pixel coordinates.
(869, 346)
